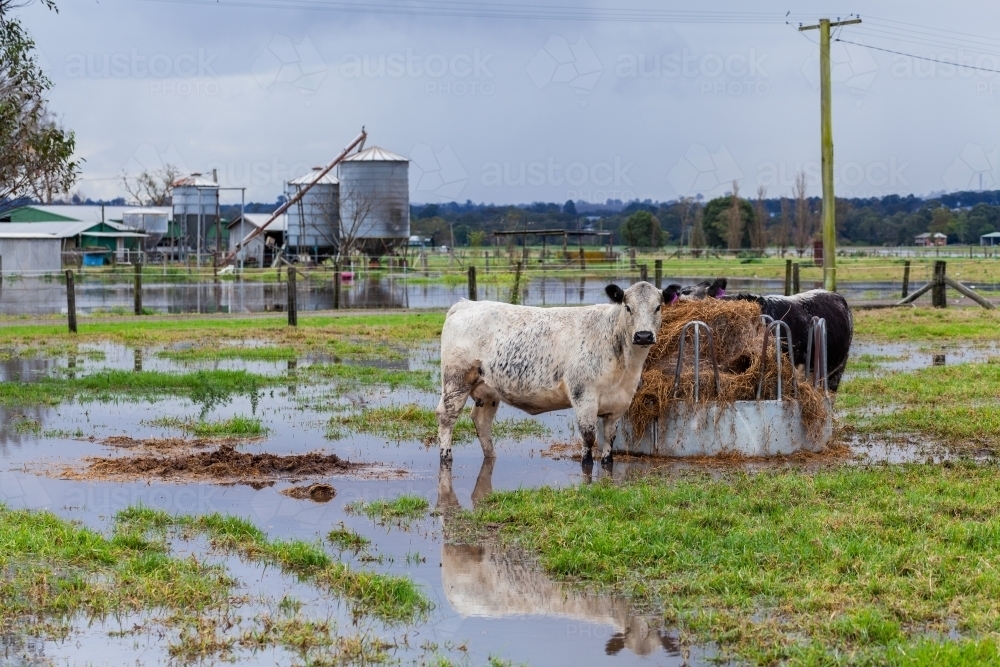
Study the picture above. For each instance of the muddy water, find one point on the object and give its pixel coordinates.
(489, 602)
(867, 356)
(39, 296)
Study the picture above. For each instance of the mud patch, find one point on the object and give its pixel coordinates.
(318, 493)
(164, 444)
(558, 451)
(223, 465)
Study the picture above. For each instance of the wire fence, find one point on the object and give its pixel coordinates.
(437, 281)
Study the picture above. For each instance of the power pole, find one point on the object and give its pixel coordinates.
(826, 140)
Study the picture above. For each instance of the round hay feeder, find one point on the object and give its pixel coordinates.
(789, 411)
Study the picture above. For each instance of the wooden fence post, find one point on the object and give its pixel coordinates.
(583, 260)
(939, 295)
(137, 289)
(906, 279)
(788, 277)
(336, 288)
(293, 316)
(795, 278)
(658, 272)
(71, 301)
(515, 293)
(644, 272)
(472, 284)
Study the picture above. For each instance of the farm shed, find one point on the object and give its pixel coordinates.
(990, 239)
(30, 253)
(256, 251)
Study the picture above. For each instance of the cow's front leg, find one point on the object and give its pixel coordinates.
(455, 390)
(586, 419)
(610, 431)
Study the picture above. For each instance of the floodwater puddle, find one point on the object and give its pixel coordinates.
(871, 356)
(38, 296)
(486, 602)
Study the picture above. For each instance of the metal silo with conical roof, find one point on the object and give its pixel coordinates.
(314, 222)
(374, 201)
(195, 202)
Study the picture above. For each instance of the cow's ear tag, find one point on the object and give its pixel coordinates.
(615, 293)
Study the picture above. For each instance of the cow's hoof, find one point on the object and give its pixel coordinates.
(588, 457)
(607, 461)
(587, 467)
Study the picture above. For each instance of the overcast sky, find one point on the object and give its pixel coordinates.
(525, 109)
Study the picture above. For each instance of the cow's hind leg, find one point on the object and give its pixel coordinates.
(456, 386)
(487, 403)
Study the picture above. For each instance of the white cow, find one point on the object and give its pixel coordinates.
(544, 359)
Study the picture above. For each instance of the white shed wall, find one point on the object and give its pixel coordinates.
(31, 256)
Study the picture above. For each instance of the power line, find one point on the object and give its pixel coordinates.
(875, 33)
(911, 55)
(915, 25)
(456, 8)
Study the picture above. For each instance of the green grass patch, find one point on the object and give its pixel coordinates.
(388, 597)
(852, 565)
(243, 353)
(958, 404)
(239, 426)
(869, 363)
(401, 508)
(412, 422)
(314, 331)
(22, 425)
(928, 324)
(53, 569)
(204, 387)
(343, 537)
(373, 375)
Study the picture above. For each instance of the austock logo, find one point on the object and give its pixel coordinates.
(702, 171)
(282, 62)
(558, 61)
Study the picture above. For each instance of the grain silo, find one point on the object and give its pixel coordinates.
(374, 201)
(154, 222)
(195, 204)
(314, 222)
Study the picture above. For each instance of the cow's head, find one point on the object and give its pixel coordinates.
(643, 306)
(717, 289)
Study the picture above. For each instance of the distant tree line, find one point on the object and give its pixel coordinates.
(729, 222)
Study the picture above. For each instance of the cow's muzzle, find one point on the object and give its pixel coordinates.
(643, 338)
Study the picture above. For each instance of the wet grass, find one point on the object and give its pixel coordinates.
(869, 363)
(843, 566)
(390, 598)
(111, 385)
(344, 538)
(928, 324)
(22, 425)
(958, 404)
(412, 422)
(52, 570)
(401, 508)
(239, 426)
(372, 375)
(348, 336)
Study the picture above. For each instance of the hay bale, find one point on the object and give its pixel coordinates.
(739, 338)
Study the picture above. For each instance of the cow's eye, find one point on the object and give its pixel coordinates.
(657, 309)
(628, 309)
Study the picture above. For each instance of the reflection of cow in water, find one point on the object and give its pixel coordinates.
(484, 581)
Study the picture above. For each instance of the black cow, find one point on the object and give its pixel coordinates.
(715, 289)
(798, 310)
